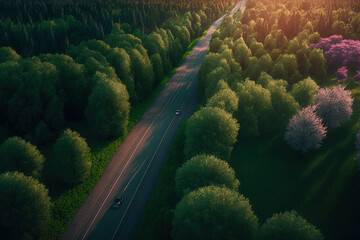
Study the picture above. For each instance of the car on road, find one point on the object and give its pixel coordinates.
(118, 202)
(177, 112)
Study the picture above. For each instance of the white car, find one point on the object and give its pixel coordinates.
(177, 112)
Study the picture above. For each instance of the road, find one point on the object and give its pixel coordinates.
(135, 168)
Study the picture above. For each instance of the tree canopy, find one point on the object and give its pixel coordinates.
(214, 213)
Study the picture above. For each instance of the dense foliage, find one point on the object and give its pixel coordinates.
(33, 27)
(210, 131)
(24, 207)
(214, 213)
(288, 225)
(204, 170)
(19, 155)
(72, 157)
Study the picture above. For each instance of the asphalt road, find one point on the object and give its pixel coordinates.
(135, 168)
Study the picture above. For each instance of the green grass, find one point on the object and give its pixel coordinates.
(68, 200)
(322, 185)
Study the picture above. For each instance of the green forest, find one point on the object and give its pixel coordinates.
(76, 77)
(272, 151)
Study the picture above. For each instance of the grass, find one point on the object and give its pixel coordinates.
(322, 185)
(68, 200)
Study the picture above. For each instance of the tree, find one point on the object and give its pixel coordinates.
(289, 62)
(18, 155)
(209, 63)
(8, 54)
(305, 131)
(143, 73)
(288, 225)
(210, 131)
(72, 158)
(158, 67)
(242, 55)
(334, 106)
(214, 213)
(108, 108)
(225, 99)
(204, 170)
(254, 107)
(284, 105)
(24, 207)
(341, 74)
(304, 92)
(318, 65)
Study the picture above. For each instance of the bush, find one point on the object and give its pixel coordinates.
(72, 158)
(305, 131)
(210, 131)
(288, 225)
(24, 207)
(204, 170)
(214, 213)
(19, 155)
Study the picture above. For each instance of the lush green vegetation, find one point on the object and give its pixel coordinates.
(265, 62)
(52, 26)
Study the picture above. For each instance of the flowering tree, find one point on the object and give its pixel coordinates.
(341, 74)
(305, 131)
(357, 76)
(340, 52)
(334, 105)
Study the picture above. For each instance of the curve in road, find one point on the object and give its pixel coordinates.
(134, 170)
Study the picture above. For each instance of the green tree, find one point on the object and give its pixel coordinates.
(254, 107)
(18, 155)
(225, 99)
(214, 213)
(24, 207)
(284, 105)
(158, 67)
(210, 62)
(304, 92)
(210, 131)
(72, 158)
(8, 54)
(288, 225)
(318, 65)
(108, 108)
(242, 55)
(204, 170)
(143, 72)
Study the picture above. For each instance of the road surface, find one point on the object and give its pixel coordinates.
(135, 168)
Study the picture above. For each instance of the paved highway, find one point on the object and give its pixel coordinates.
(134, 170)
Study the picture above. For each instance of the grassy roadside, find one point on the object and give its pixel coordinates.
(156, 222)
(67, 201)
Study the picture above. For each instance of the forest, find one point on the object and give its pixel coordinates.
(273, 150)
(76, 77)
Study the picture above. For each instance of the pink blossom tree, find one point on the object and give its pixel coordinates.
(341, 74)
(333, 106)
(305, 131)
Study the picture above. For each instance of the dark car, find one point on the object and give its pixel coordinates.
(118, 202)
(177, 112)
